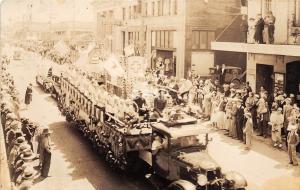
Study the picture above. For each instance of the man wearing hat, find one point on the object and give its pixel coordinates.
(26, 161)
(26, 179)
(276, 121)
(293, 141)
(287, 113)
(240, 120)
(141, 103)
(45, 152)
(14, 152)
(160, 103)
(28, 95)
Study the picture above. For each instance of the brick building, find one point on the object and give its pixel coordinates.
(178, 30)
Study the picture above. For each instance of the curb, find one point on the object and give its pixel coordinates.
(5, 182)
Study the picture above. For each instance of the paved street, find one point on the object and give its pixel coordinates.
(76, 166)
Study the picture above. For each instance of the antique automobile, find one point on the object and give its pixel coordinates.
(232, 75)
(184, 162)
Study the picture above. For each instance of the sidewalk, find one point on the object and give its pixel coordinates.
(5, 182)
(264, 166)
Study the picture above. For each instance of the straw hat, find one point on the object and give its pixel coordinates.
(28, 155)
(28, 173)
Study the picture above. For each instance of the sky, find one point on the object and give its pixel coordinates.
(43, 10)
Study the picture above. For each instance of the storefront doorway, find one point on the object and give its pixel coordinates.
(293, 79)
(264, 77)
(169, 61)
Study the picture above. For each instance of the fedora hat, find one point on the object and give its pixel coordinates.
(28, 155)
(46, 131)
(28, 173)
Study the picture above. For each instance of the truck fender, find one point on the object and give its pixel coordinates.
(184, 184)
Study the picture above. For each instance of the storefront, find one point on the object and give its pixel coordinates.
(163, 51)
(274, 72)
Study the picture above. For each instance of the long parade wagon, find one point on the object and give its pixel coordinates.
(180, 163)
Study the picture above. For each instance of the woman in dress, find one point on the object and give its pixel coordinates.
(28, 95)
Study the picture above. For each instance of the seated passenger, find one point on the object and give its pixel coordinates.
(160, 103)
(157, 143)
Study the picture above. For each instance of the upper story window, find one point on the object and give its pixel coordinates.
(268, 5)
(124, 13)
(175, 5)
(201, 39)
(159, 8)
(163, 38)
(146, 9)
(153, 8)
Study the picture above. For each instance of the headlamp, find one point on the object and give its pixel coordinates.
(201, 179)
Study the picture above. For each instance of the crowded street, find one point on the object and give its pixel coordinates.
(149, 95)
(75, 165)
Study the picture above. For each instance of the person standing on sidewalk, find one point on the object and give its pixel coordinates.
(240, 120)
(45, 153)
(28, 95)
(276, 121)
(293, 141)
(248, 130)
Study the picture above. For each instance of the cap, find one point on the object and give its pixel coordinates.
(28, 173)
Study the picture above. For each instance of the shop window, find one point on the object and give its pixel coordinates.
(158, 39)
(153, 38)
(162, 39)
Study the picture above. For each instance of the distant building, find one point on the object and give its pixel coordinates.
(177, 30)
(273, 66)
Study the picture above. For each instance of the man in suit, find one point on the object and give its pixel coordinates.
(259, 27)
(244, 28)
(160, 103)
(45, 152)
(293, 141)
(240, 120)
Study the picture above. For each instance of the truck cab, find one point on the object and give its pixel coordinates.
(182, 159)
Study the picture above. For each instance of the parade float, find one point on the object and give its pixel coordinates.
(171, 147)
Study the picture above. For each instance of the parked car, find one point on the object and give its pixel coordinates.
(232, 75)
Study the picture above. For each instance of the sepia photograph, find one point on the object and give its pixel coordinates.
(150, 94)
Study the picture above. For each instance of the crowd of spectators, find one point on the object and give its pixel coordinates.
(20, 134)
